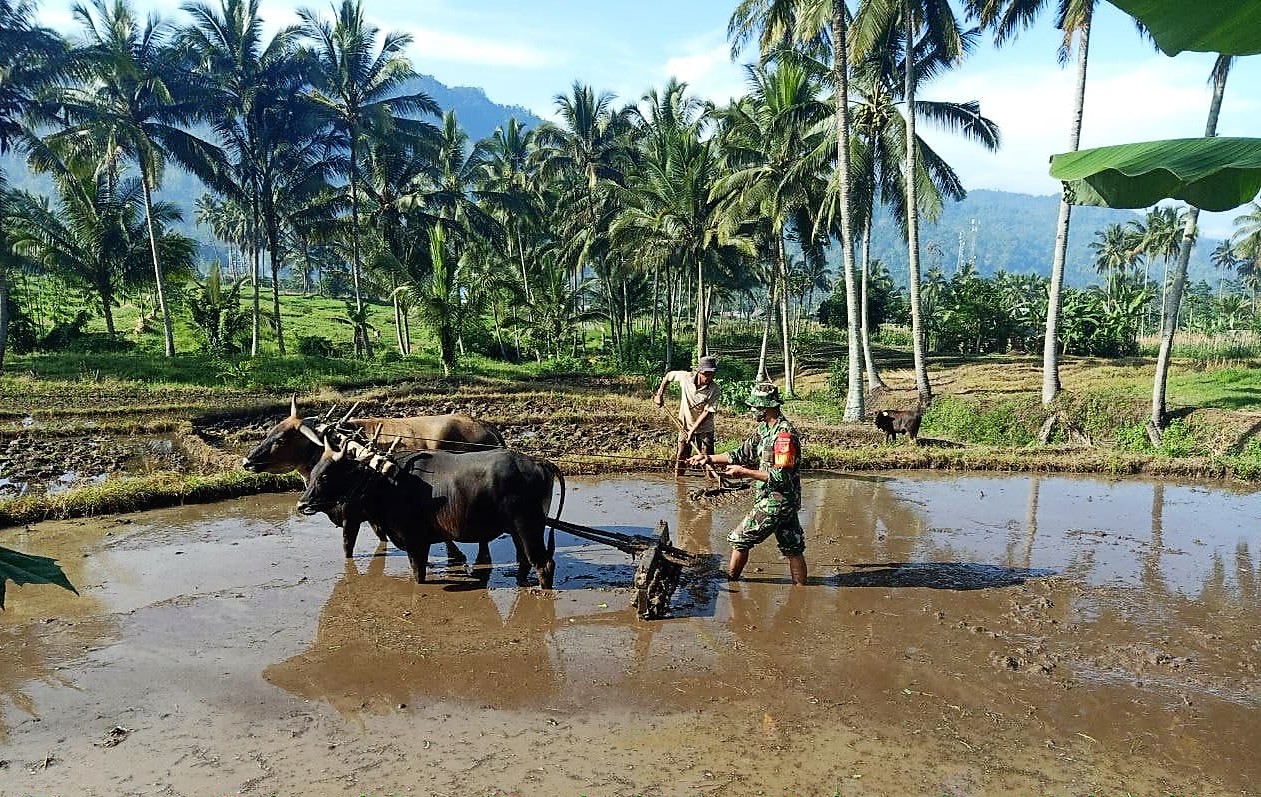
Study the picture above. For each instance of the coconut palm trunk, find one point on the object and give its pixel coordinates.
(364, 347)
(785, 333)
(918, 341)
(1050, 343)
(275, 261)
(1156, 424)
(854, 398)
(702, 330)
(873, 375)
(168, 329)
(767, 319)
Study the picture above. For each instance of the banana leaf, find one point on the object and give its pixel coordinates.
(21, 568)
(1229, 27)
(1212, 174)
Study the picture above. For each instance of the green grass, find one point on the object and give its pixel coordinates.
(1227, 389)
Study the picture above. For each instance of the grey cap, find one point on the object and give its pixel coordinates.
(707, 364)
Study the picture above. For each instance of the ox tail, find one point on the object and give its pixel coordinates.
(551, 529)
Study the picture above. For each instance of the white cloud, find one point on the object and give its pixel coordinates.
(708, 72)
(435, 45)
(1152, 99)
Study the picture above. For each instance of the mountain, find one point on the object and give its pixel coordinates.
(1016, 233)
(477, 114)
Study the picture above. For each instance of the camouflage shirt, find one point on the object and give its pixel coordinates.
(783, 487)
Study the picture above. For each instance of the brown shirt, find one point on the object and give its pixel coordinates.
(696, 400)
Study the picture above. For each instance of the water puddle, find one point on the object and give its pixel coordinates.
(1017, 615)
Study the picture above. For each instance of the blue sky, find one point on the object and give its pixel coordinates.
(524, 53)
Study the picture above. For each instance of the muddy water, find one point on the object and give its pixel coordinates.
(960, 635)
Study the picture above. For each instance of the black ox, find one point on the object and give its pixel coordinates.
(295, 443)
(895, 422)
(436, 496)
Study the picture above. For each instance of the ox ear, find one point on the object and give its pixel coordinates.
(293, 406)
(310, 434)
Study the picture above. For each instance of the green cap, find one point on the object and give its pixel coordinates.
(763, 396)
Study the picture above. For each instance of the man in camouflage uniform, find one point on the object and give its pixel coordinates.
(771, 457)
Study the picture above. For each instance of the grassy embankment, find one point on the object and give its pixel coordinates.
(986, 414)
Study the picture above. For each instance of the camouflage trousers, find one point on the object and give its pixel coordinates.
(767, 518)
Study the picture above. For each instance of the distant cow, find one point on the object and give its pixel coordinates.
(434, 496)
(895, 422)
(295, 444)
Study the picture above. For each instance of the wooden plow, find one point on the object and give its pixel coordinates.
(658, 564)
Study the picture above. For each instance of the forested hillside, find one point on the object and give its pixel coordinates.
(1015, 233)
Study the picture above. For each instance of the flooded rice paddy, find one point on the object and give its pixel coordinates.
(961, 635)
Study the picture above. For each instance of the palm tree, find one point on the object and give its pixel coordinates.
(819, 24)
(1162, 237)
(31, 60)
(881, 134)
(1073, 17)
(1116, 249)
(1247, 242)
(361, 89)
(136, 102)
(586, 154)
(1225, 260)
(508, 187)
(674, 211)
(95, 239)
(766, 142)
(1156, 424)
(935, 20)
(255, 104)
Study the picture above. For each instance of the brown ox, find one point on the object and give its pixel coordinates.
(294, 444)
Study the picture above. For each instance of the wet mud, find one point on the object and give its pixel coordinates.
(962, 635)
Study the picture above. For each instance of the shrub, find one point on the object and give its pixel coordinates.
(315, 346)
(1009, 423)
(838, 381)
(1177, 441)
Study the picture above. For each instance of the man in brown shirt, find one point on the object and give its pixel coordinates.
(697, 405)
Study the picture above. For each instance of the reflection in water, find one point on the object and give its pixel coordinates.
(381, 641)
(44, 629)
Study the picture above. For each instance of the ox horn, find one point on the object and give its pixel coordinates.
(293, 406)
(349, 413)
(376, 433)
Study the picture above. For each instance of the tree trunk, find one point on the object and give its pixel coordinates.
(168, 328)
(255, 265)
(398, 325)
(785, 334)
(274, 255)
(669, 322)
(702, 343)
(107, 303)
(4, 312)
(362, 338)
(912, 219)
(1156, 424)
(768, 319)
(873, 376)
(854, 398)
